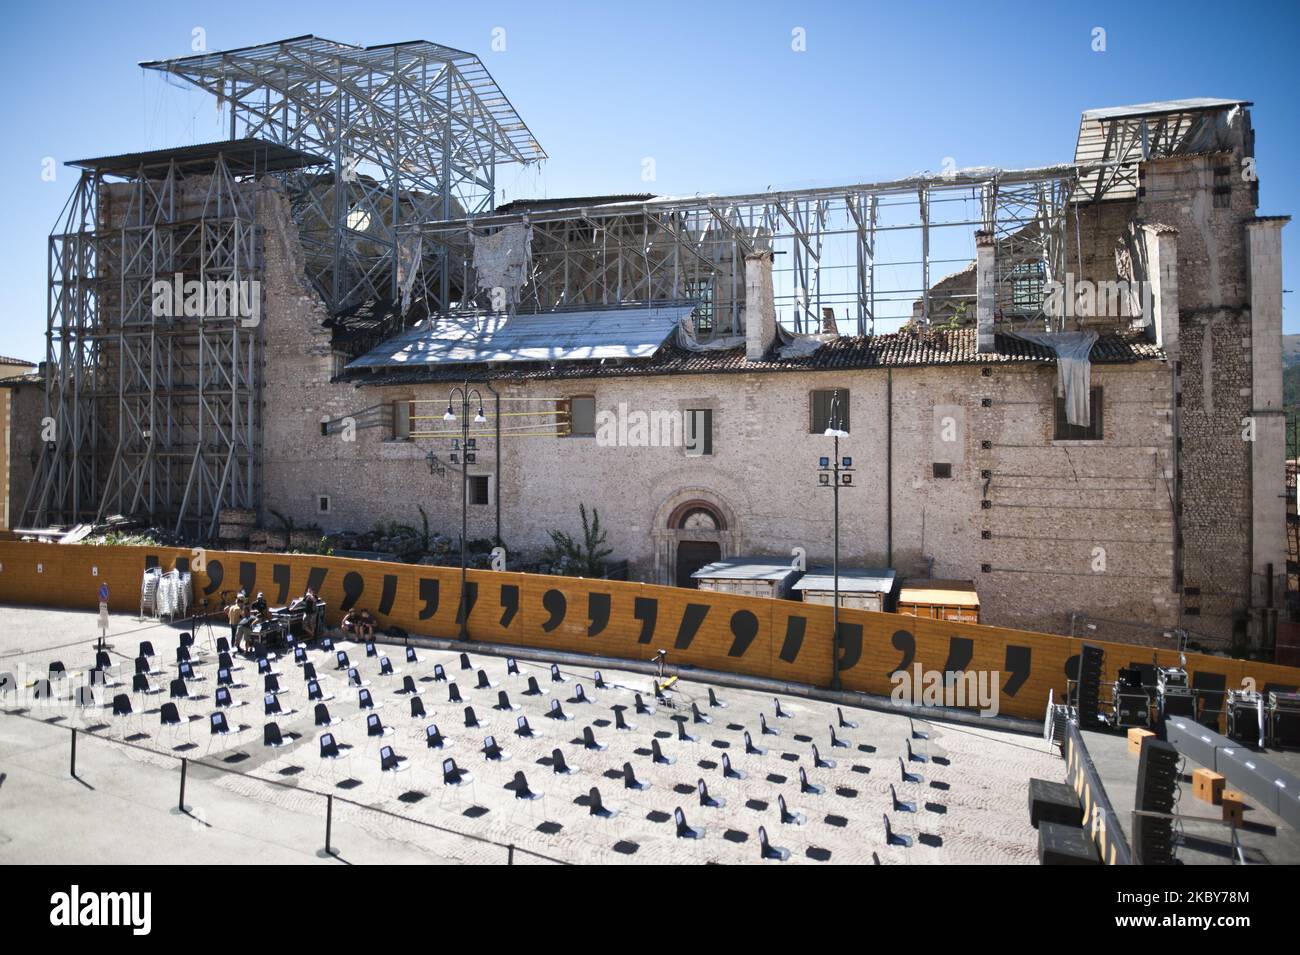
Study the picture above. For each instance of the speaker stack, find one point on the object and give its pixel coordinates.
(1153, 838)
(1089, 689)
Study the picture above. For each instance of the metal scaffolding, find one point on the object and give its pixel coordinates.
(828, 243)
(153, 340)
(414, 132)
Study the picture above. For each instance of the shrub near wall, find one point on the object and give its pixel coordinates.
(777, 639)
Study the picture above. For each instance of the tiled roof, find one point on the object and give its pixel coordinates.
(5, 360)
(896, 350)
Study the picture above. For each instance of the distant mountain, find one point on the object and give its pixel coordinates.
(1290, 350)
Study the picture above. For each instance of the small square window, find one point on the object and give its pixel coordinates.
(322, 504)
(942, 470)
(581, 413)
(478, 489)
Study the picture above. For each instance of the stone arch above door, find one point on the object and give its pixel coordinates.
(692, 514)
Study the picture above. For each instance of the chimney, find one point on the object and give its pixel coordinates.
(985, 283)
(760, 306)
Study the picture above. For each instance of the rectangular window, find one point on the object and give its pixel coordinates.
(701, 292)
(322, 504)
(942, 470)
(581, 413)
(697, 431)
(403, 425)
(1027, 286)
(820, 404)
(478, 489)
(1064, 431)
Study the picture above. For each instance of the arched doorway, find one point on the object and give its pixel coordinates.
(692, 528)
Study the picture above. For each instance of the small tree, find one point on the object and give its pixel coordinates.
(586, 559)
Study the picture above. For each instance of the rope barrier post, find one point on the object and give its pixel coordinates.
(72, 769)
(185, 763)
(329, 822)
(510, 855)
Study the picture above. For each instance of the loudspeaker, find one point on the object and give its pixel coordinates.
(1089, 689)
(1153, 838)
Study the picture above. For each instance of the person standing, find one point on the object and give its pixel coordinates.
(234, 614)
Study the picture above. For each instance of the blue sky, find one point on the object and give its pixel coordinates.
(713, 91)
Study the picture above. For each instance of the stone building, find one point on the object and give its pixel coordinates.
(1086, 421)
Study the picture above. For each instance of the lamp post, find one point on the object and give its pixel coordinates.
(465, 393)
(834, 472)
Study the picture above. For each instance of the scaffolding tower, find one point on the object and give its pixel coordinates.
(153, 379)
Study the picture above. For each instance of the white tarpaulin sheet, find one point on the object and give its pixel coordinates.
(1073, 369)
(502, 260)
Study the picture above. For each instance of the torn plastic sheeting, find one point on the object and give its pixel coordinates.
(687, 340)
(790, 345)
(502, 260)
(1073, 369)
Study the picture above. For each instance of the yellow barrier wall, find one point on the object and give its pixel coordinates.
(778, 639)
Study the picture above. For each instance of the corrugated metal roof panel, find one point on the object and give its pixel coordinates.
(547, 337)
(853, 581)
(1163, 106)
(741, 569)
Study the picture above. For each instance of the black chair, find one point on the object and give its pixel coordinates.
(600, 681)
(483, 682)
(767, 730)
(103, 661)
(503, 702)
(768, 851)
(657, 755)
(178, 690)
(728, 772)
(323, 718)
(432, 738)
(57, 671)
(370, 649)
(471, 719)
(750, 748)
(807, 787)
(837, 742)
(520, 785)
(121, 705)
(316, 694)
(182, 654)
(223, 644)
(140, 684)
(641, 708)
(225, 677)
(915, 757)
(464, 662)
(439, 674)
(187, 639)
(408, 686)
(533, 688)
(893, 838)
(589, 739)
(698, 717)
(270, 684)
(789, 818)
(555, 674)
(308, 672)
(714, 702)
(169, 715)
(453, 775)
(341, 660)
(898, 804)
(354, 678)
(364, 700)
(818, 762)
(682, 735)
(559, 766)
(596, 806)
(847, 724)
(187, 673)
(684, 831)
(410, 655)
(417, 708)
(271, 736)
(271, 706)
(386, 667)
(390, 762)
(491, 750)
(453, 693)
(579, 695)
(142, 666)
(556, 712)
(226, 661)
(619, 722)
(332, 750)
(375, 727)
(219, 726)
(630, 781)
(224, 698)
(706, 800)
(327, 644)
(512, 668)
(146, 649)
(781, 714)
(299, 655)
(522, 728)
